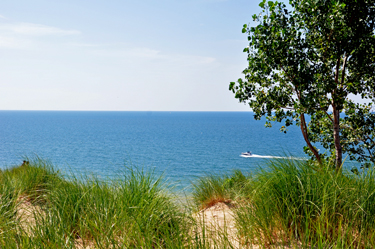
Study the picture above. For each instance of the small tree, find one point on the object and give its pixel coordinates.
(310, 61)
(357, 132)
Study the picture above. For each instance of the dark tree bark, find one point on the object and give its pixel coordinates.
(304, 132)
(336, 137)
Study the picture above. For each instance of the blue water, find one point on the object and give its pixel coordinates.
(182, 145)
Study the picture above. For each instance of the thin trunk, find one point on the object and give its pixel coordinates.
(336, 137)
(336, 113)
(343, 71)
(304, 133)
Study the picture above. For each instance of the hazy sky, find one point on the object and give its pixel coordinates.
(177, 55)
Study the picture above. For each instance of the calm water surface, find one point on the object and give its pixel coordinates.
(183, 145)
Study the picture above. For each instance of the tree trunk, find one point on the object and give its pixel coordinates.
(336, 137)
(304, 133)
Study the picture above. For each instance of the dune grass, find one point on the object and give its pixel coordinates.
(214, 188)
(287, 204)
(292, 203)
(132, 211)
(297, 204)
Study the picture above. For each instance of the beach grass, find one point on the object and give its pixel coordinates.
(292, 204)
(296, 204)
(132, 211)
(285, 204)
(213, 188)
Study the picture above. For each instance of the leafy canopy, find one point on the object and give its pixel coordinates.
(311, 60)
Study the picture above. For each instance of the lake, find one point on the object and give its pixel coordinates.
(181, 145)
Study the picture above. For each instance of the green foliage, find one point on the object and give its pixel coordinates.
(8, 219)
(237, 180)
(291, 203)
(211, 189)
(309, 61)
(357, 129)
(29, 182)
(133, 211)
(32, 180)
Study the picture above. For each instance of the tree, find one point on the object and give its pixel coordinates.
(311, 61)
(357, 132)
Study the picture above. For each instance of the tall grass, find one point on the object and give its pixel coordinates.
(16, 184)
(32, 180)
(8, 220)
(292, 203)
(211, 189)
(287, 204)
(132, 211)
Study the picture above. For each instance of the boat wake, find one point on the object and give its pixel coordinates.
(277, 157)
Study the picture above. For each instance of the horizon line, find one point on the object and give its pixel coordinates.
(112, 111)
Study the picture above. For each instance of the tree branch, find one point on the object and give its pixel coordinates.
(304, 133)
(328, 116)
(343, 71)
(337, 70)
(359, 137)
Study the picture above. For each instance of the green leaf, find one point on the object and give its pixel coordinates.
(262, 4)
(293, 55)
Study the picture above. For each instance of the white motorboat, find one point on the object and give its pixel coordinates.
(246, 154)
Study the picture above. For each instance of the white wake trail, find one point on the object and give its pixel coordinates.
(278, 157)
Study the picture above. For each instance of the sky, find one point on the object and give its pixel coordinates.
(119, 55)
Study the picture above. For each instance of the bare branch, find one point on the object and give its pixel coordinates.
(343, 71)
